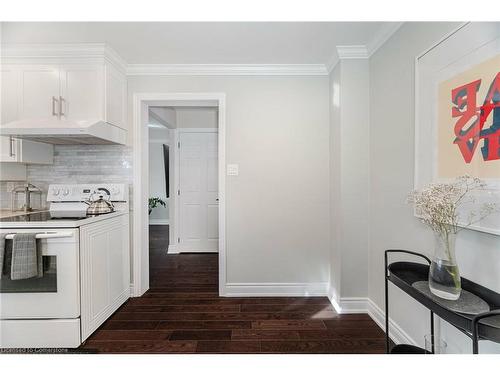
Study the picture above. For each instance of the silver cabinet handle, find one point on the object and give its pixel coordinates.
(12, 140)
(61, 100)
(54, 101)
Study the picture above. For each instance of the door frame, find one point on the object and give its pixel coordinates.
(175, 224)
(140, 154)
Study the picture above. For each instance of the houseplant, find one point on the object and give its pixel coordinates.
(448, 208)
(155, 201)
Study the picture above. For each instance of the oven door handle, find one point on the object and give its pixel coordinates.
(41, 236)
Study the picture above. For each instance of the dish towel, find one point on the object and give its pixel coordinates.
(26, 257)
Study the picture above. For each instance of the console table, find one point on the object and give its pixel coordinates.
(484, 326)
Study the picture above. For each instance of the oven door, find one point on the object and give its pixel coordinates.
(54, 295)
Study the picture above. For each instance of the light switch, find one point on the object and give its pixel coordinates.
(232, 170)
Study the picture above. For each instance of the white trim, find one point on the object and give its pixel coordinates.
(396, 333)
(44, 51)
(364, 305)
(227, 69)
(275, 289)
(382, 36)
(352, 52)
(174, 227)
(159, 222)
(172, 249)
(333, 301)
(140, 217)
(332, 63)
(353, 305)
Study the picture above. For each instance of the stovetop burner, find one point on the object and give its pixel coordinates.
(47, 216)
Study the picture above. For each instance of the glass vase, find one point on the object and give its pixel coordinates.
(444, 275)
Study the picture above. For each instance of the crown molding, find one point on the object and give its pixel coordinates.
(61, 51)
(382, 36)
(227, 69)
(352, 52)
(53, 53)
(332, 63)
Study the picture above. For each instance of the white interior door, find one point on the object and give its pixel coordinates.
(198, 192)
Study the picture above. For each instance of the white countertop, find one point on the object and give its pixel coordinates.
(60, 223)
(9, 213)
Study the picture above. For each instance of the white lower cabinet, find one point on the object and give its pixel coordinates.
(105, 270)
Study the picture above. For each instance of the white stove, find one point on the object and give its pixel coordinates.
(86, 269)
(67, 207)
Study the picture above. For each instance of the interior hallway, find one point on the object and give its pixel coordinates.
(182, 313)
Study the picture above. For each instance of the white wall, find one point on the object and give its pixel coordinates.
(278, 207)
(197, 118)
(164, 115)
(335, 181)
(350, 167)
(157, 138)
(392, 224)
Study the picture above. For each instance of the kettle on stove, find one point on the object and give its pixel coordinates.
(99, 206)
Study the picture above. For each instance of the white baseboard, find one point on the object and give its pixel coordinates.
(353, 305)
(275, 289)
(396, 333)
(172, 249)
(363, 305)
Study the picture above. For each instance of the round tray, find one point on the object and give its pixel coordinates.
(467, 303)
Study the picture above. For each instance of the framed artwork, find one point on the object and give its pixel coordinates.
(457, 113)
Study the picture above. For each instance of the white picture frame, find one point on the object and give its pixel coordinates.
(468, 45)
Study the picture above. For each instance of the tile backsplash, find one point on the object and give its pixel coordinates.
(78, 165)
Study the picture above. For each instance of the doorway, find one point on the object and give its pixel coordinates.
(196, 179)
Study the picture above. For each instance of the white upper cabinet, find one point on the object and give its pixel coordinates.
(81, 92)
(80, 83)
(39, 89)
(9, 94)
(116, 96)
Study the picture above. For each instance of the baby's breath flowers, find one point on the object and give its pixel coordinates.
(438, 204)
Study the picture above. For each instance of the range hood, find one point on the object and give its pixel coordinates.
(66, 132)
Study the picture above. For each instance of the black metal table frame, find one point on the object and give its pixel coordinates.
(474, 335)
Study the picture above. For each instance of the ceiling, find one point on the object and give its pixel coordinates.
(207, 42)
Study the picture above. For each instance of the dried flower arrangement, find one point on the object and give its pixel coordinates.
(438, 204)
(441, 207)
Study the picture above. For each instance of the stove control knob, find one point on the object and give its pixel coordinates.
(65, 191)
(55, 192)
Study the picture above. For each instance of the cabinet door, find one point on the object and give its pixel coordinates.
(9, 149)
(10, 94)
(82, 91)
(116, 97)
(105, 272)
(38, 92)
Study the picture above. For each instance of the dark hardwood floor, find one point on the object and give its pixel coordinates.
(182, 313)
